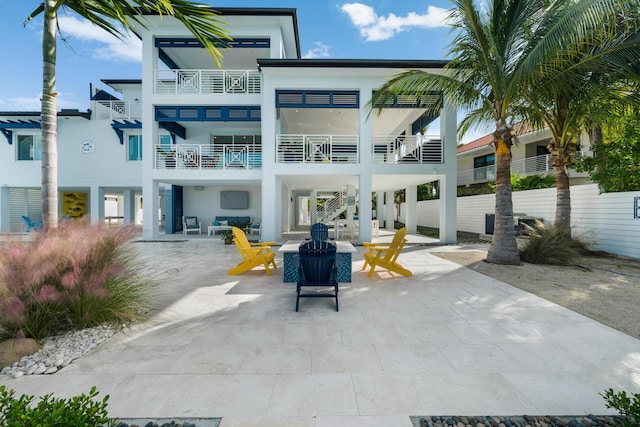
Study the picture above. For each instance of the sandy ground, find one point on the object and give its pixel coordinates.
(604, 288)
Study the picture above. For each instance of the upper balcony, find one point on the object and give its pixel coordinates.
(206, 82)
(117, 110)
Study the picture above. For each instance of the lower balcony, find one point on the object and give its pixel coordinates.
(342, 149)
(207, 156)
(538, 165)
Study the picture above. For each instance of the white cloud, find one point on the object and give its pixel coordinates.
(319, 51)
(376, 28)
(108, 47)
(23, 103)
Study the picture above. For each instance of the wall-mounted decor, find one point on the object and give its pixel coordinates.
(74, 205)
(234, 200)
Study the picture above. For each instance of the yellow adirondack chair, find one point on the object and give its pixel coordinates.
(385, 255)
(253, 254)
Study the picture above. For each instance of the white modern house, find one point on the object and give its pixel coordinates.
(269, 135)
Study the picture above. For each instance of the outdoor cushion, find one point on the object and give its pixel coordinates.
(192, 221)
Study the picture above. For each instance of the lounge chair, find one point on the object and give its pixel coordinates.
(31, 225)
(253, 254)
(317, 270)
(190, 224)
(385, 256)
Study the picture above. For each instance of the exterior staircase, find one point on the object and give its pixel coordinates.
(332, 207)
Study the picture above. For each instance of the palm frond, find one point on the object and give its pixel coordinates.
(118, 17)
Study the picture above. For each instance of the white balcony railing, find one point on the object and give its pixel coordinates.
(538, 165)
(207, 81)
(117, 110)
(317, 149)
(407, 149)
(207, 156)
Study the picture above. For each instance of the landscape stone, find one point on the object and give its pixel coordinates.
(13, 350)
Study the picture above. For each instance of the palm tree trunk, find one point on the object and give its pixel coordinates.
(48, 119)
(560, 159)
(503, 248)
(563, 200)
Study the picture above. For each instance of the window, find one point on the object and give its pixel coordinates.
(29, 147)
(483, 167)
(135, 147)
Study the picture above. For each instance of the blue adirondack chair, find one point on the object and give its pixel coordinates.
(317, 270)
(319, 231)
(31, 225)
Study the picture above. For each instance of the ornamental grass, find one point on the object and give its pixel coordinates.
(76, 277)
(553, 245)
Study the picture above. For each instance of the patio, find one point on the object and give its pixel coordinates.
(447, 341)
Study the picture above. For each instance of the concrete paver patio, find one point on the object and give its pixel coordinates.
(447, 341)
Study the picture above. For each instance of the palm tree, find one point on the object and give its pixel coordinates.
(116, 17)
(484, 77)
(581, 83)
(504, 50)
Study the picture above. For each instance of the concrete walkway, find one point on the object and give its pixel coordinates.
(448, 341)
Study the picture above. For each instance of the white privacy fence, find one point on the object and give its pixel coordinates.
(610, 220)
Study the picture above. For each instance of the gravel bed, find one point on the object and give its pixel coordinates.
(59, 350)
(169, 422)
(517, 421)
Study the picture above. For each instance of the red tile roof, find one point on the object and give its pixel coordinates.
(518, 129)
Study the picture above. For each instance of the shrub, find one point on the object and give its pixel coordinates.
(552, 245)
(80, 410)
(527, 182)
(628, 407)
(78, 277)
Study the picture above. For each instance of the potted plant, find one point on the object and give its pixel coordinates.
(227, 236)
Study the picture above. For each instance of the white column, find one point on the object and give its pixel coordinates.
(364, 212)
(390, 211)
(96, 205)
(5, 209)
(365, 140)
(380, 206)
(271, 209)
(129, 207)
(448, 183)
(271, 192)
(150, 205)
(411, 204)
(313, 211)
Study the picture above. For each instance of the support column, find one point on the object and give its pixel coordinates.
(271, 209)
(5, 209)
(411, 209)
(96, 205)
(448, 214)
(390, 211)
(380, 206)
(364, 212)
(150, 192)
(449, 183)
(129, 207)
(313, 203)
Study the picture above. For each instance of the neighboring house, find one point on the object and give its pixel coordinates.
(265, 136)
(476, 160)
